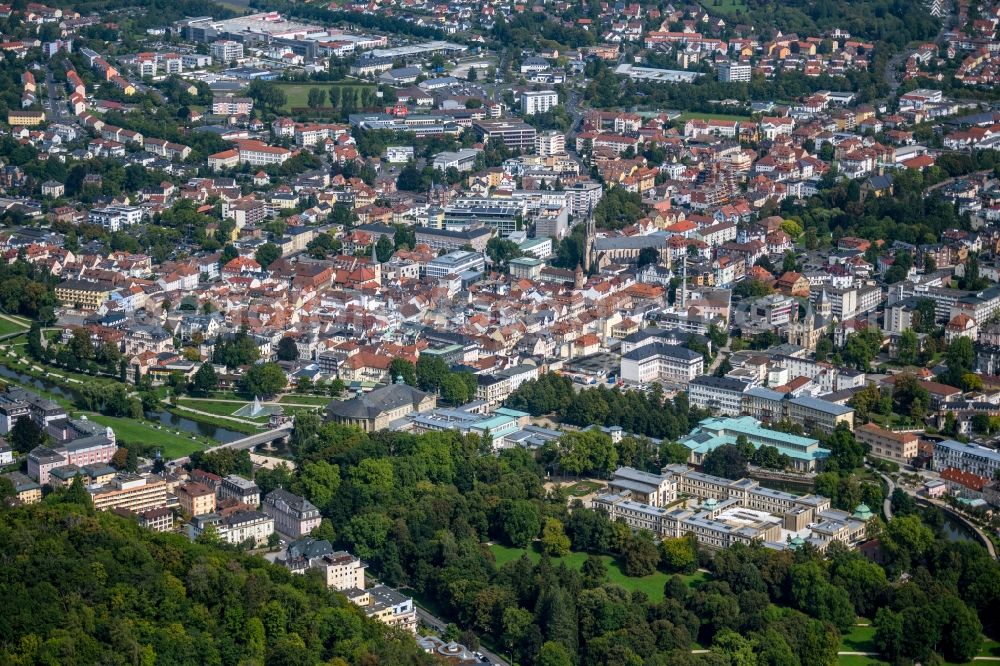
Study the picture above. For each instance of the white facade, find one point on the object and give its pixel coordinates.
(538, 101)
(398, 154)
(550, 143)
(226, 50)
(113, 218)
(657, 362)
(717, 394)
(734, 71)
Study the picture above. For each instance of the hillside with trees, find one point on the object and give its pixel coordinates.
(79, 587)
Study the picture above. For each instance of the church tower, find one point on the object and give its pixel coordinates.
(588, 241)
(824, 306)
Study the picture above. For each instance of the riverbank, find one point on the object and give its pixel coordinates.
(172, 434)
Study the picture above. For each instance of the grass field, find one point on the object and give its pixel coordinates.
(990, 648)
(858, 639)
(219, 408)
(170, 445)
(697, 115)
(317, 400)
(583, 488)
(7, 327)
(652, 585)
(856, 660)
(298, 93)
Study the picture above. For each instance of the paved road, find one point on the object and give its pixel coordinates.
(892, 66)
(720, 355)
(438, 625)
(890, 486)
(53, 103)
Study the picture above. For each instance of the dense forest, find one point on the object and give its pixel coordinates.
(79, 588)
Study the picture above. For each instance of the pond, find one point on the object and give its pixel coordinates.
(170, 419)
(956, 530)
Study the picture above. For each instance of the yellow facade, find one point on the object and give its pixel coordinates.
(26, 118)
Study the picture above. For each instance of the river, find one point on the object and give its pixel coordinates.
(170, 419)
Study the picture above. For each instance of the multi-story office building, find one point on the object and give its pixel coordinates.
(500, 214)
(446, 239)
(455, 263)
(583, 197)
(516, 135)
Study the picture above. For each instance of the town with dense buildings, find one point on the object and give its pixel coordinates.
(425, 302)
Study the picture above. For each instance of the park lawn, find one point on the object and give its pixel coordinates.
(219, 408)
(857, 660)
(652, 584)
(316, 400)
(697, 115)
(859, 639)
(583, 488)
(990, 648)
(170, 445)
(297, 94)
(8, 327)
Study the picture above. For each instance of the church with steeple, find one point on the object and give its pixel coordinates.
(807, 331)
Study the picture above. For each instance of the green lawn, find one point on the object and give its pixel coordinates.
(7, 327)
(990, 648)
(856, 660)
(317, 400)
(583, 488)
(146, 433)
(219, 408)
(859, 639)
(692, 115)
(298, 93)
(652, 585)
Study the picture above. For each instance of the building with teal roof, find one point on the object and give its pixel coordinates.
(805, 452)
(862, 512)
